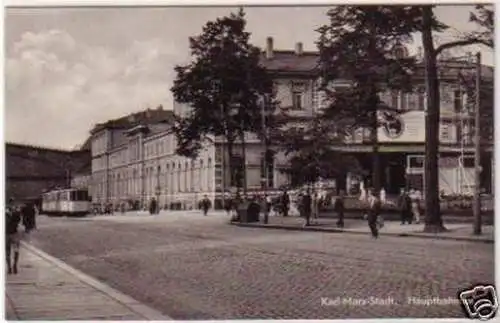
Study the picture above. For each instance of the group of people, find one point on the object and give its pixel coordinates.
(15, 214)
(410, 206)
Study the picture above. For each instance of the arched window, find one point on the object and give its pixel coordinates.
(191, 176)
(209, 171)
(167, 170)
(179, 171)
(202, 175)
(185, 174)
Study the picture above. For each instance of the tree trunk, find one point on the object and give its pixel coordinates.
(244, 162)
(433, 220)
(375, 145)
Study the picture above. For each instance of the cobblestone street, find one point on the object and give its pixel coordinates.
(193, 267)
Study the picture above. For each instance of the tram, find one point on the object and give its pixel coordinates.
(66, 202)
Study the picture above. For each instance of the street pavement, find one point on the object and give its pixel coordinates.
(188, 266)
(47, 289)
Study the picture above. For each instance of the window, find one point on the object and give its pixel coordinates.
(192, 176)
(394, 99)
(404, 101)
(179, 177)
(446, 132)
(297, 100)
(416, 162)
(421, 100)
(466, 134)
(468, 161)
(186, 185)
(413, 101)
(457, 101)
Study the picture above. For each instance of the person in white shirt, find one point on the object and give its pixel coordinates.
(416, 199)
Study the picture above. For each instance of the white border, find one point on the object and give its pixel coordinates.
(27, 3)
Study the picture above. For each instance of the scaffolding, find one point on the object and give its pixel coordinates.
(467, 91)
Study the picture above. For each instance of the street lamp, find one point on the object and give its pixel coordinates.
(266, 149)
(477, 146)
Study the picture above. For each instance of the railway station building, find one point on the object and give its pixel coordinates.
(133, 157)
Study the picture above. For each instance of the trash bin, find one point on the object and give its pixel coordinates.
(241, 211)
(249, 212)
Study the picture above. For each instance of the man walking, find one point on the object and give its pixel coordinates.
(306, 207)
(404, 203)
(205, 205)
(339, 207)
(285, 203)
(12, 242)
(373, 212)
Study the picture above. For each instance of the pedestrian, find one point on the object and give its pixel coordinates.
(373, 212)
(205, 205)
(284, 203)
(268, 201)
(228, 204)
(339, 207)
(306, 207)
(405, 207)
(315, 207)
(12, 238)
(28, 214)
(416, 205)
(152, 206)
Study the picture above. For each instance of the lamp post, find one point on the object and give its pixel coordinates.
(266, 175)
(477, 150)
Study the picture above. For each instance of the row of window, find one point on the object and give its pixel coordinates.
(66, 196)
(417, 162)
(455, 100)
(159, 147)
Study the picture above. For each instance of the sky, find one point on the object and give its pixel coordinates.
(67, 69)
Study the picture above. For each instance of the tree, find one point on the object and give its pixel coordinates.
(484, 17)
(361, 44)
(311, 154)
(222, 85)
(429, 25)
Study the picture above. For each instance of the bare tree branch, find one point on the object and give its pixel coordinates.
(460, 43)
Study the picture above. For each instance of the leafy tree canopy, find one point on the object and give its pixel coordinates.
(223, 84)
(484, 17)
(364, 44)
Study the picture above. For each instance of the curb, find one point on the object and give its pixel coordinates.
(135, 306)
(333, 230)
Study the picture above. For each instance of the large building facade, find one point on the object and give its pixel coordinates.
(133, 158)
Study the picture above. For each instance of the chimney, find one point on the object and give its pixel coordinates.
(299, 50)
(269, 48)
(160, 107)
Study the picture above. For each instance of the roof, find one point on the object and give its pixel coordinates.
(148, 116)
(34, 147)
(287, 61)
(87, 144)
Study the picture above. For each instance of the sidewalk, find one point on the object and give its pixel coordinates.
(48, 289)
(458, 232)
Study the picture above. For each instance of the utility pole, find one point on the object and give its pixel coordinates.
(477, 150)
(266, 175)
(223, 164)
